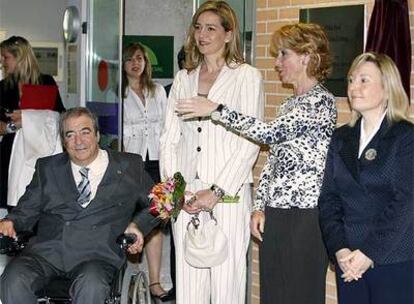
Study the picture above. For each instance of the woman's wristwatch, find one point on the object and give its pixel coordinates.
(215, 115)
(218, 192)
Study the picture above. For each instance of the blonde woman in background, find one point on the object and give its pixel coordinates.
(293, 261)
(20, 67)
(367, 199)
(144, 112)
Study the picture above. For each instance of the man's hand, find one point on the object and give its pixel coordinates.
(7, 228)
(257, 224)
(139, 243)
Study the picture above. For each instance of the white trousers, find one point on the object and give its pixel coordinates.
(226, 283)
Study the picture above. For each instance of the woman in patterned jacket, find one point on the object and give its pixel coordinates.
(293, 259)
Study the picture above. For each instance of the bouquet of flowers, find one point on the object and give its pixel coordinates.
(167, 197)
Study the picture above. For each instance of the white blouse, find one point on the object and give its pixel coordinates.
(363, 138)
(143, 124)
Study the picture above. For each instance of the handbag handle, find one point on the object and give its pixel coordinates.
(196, 221)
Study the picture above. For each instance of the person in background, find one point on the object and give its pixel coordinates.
(81, 200)
(20, 67)
(144, 103)
(367, 198)
(181, 63)
(213, 161)
(293, 260)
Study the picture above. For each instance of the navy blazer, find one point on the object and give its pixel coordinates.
(67, 234)
(368, 203)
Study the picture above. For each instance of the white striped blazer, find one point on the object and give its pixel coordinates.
(205, 148)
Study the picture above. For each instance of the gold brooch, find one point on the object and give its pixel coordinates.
(371, 154)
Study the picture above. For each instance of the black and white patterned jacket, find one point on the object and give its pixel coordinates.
(298, 139)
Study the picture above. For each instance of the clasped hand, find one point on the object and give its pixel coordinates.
(352, 263)
(203, 200)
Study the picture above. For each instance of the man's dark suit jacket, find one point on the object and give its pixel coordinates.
(368, 203)
(68, 234)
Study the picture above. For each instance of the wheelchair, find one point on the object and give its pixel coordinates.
(130, 285)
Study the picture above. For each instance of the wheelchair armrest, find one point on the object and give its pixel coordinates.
(12, 246)
(125, 240)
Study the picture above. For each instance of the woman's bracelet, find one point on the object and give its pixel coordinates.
(10, 127)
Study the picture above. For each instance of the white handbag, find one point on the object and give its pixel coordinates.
(205, 246)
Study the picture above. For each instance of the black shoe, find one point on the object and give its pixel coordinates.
(170, 295)
(162, 297)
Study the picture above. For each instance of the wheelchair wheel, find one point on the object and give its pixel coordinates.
(134, 288)
(140, 291)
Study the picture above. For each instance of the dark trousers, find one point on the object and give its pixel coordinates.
(383, 284)
(152, 167)
(293, 260)
(27, 274)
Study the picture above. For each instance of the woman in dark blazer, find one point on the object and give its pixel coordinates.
(367, 199)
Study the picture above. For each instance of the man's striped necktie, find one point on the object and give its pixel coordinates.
(84, 188)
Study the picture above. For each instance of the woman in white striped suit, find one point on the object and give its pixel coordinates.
(208, 156)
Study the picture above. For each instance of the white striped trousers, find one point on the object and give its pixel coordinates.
(226, 283)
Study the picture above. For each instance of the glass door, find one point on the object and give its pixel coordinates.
(105, 30)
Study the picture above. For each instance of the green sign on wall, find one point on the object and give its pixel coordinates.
(160, 50)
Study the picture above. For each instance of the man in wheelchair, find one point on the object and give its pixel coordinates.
(81, 200)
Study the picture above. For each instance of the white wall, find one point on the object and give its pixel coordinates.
(36, 20)
(159, 18)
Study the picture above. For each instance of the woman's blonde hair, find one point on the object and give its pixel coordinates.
(27, 69)
(305, 38)
(146, 81)
(232, 52)
(396, 97)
